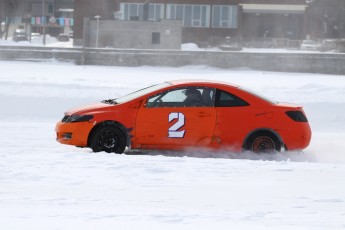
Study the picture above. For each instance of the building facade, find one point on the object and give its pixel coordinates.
(163, 34)
(205, 21)
(326, 19)
(273, 19)
(56, 16)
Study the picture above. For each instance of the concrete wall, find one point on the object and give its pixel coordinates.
(286, 62)
(133, 34)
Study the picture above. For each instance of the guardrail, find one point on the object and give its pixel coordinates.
(287, 62)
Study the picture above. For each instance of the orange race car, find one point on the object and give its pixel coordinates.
(182, 114)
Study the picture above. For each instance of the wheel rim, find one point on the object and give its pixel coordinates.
(108, 141)
(263, 144)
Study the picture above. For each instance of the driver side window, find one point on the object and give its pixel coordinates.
(170, 98)
(183, 97)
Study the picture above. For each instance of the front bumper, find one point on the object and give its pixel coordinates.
(76, 133)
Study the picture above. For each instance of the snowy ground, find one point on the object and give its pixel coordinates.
(46, 185)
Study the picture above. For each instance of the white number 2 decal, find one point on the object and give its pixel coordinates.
(180, 123)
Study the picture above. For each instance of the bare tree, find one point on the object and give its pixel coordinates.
(2, 12)
(9, 9)
(327, 18)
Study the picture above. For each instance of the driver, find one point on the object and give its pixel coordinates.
(193, 98)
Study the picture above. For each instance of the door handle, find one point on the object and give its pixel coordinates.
(203, 114)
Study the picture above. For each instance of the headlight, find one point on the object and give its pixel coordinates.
(76, 118)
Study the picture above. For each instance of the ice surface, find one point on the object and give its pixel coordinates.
(46, 185)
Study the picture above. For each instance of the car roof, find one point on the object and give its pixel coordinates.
(202, 82)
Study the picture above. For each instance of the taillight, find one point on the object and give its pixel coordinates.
(297, 116)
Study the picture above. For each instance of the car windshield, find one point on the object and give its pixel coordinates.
(138, 93)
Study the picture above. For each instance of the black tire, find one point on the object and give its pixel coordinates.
(263, 142)
(108, 139)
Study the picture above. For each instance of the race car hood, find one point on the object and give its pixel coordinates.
(88, 108)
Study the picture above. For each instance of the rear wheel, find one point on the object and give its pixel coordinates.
(108, 139)
(263, 142)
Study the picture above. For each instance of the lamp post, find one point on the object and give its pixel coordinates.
(29, 25)
(308, 23)
(44, 21)
(97, 29)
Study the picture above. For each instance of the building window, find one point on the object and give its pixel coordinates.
(132, 11)
(50, 8)
(191, 15)
(156, 12)
(224, 16)
(135, 11)
(156, 38)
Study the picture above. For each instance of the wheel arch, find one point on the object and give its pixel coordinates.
(262, 130)
(109, 123)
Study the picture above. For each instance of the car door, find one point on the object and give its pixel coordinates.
(232, 120)
(166, 122)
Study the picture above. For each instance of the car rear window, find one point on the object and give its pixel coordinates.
(225, 99)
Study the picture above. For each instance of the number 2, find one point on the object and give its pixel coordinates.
(173, 130)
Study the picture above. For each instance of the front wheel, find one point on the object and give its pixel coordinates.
(108, 139)
(263, 143)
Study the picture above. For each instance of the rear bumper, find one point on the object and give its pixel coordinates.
(297, 139)
(73, 133)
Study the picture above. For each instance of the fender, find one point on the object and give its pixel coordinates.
(112, 123)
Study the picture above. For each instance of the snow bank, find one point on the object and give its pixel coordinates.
(38, 41)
